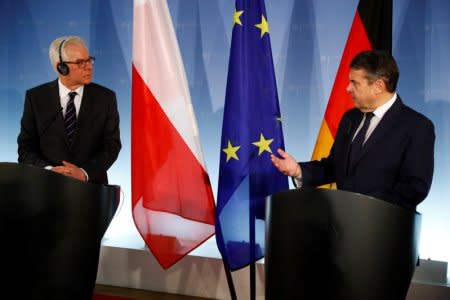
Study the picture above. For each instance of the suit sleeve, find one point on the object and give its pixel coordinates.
(320, 172)
(416, 170)
(109, 144)
(28, 139)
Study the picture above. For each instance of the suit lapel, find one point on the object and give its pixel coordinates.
(355, 122)
(56, 103)
(385, 125)
(84, 110)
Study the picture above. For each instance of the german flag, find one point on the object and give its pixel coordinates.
(371, 29)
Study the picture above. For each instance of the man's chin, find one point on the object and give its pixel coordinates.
(87, 80)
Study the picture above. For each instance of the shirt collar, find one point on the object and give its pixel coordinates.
(64, 91)
(381, 110)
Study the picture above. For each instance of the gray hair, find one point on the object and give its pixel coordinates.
(53, 51)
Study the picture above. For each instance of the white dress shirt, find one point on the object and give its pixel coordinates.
(64, 97)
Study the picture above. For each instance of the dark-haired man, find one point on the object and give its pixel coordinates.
(382, 148)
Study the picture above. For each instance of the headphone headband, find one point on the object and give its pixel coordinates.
(62, 67)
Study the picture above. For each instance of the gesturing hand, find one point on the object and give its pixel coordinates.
(286, 164)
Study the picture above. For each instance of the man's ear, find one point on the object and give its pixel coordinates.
(379, 86)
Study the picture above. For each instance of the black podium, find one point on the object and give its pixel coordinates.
(51, 227)
(328, 244)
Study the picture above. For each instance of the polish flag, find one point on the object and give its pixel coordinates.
(172, 200)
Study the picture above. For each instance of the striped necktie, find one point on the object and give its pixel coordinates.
(70, 119)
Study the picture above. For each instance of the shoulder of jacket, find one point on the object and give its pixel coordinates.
(416, 116)
(99, 88)
(42, 88)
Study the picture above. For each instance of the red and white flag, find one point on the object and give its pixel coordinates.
(172, 200)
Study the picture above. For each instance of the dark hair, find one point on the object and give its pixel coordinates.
(378, 64)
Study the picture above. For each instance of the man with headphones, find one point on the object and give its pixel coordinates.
(70, 125)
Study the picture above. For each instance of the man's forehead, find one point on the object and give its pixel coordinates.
(357, 73)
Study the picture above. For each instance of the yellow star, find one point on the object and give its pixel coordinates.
(264, 26)
(231, 151)
(263, 144)
(237, 17)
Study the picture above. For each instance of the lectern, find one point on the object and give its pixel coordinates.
(328, 244)
(51, 227)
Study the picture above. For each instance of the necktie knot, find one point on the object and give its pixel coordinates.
(369, 116)
(72, 95)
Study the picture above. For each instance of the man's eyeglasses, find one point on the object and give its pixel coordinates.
(82, 62)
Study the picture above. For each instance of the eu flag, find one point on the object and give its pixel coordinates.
(251, 131)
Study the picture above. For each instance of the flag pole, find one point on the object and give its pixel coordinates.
(252, 240)
(253, 280)
(229, 281)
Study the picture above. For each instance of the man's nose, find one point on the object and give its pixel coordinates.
(349, 88)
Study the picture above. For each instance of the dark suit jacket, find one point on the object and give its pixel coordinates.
(42, 140)
(396, 162)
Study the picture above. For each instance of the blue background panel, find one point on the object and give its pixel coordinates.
(307, 40)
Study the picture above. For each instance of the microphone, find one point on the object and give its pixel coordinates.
(52, 120)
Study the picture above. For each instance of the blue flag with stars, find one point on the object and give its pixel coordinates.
(251, 132)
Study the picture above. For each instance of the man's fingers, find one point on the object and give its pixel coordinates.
(274, 159)
(283, 153)
(68, 164)
(286, 164)
(58, 169)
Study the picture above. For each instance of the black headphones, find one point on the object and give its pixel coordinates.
(62, 67)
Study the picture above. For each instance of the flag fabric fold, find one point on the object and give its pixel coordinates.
(371, 29)
(251, 131)
(172, 200)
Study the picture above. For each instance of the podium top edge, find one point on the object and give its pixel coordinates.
(330, 192)
(32, 167)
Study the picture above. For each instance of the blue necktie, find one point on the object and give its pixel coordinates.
(70, 119)
(358, 141)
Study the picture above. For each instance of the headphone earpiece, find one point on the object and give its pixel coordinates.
(62, 67)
